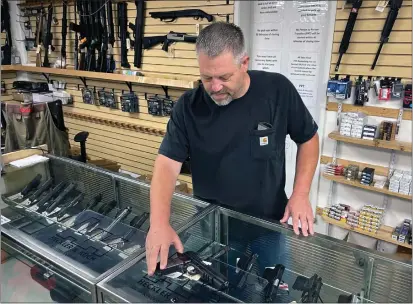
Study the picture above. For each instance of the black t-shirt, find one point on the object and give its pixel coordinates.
(234, 164)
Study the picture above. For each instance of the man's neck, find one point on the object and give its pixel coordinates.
(245, 87)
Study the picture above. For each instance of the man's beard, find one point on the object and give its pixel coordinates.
(222, 103)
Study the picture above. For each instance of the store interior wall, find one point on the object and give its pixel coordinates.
(136, 151)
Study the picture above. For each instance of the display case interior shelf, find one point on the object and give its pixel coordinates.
(148, 78)
(383, 234)
(342, 180)
(371, 110)
(378, 143)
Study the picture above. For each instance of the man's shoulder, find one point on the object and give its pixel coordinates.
(265, 77)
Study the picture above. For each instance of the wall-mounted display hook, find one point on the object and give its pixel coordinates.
(165, 89)
(83, 79)
(129, 84)
(47, 76)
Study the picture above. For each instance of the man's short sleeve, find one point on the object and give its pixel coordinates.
(300, 124)
(175, 144)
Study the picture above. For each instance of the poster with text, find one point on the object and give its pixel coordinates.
(268, 36)
(268, 11)
(267, 61)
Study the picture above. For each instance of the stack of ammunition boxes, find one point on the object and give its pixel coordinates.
(401, 182)
(367, 176)
(369, 218)
(351, 172)
(352, 124)
(403, 233)
(369, 132)
(387, 130)
(332, 169)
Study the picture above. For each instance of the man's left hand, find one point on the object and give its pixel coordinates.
(299, 208)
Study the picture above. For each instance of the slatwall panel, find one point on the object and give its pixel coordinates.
(396, 56)
(8, 79)
(133, 150)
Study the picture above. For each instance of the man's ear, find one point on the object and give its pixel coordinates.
(244, 63)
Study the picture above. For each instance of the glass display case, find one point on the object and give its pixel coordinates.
(75, 224)
(233, 257)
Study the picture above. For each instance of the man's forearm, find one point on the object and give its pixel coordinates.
(163, 183)
(307, 160)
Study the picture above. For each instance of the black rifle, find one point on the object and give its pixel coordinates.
(47, 41)
(81, 30)
(64, 33)
(76, 55)
(122, 33)
(5, 26)
(102, 29)
(173, 15)
(138, 33)
(110, 65)
(167, 40)
(92, 46)
(349, 30)
(388, 26)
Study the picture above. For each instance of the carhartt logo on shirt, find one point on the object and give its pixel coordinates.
(264, 141)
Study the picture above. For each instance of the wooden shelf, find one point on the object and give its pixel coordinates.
(384, 233)
(378, 143)
(149, 78)
(342, 180)
(370, 110)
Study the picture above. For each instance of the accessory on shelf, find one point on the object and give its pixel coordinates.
(129, 103)
(385, 89)
(407, 99)
(367, 176)
(362, 92)
(88, 96)
(351, 172)
(340, 89)
(369, 132)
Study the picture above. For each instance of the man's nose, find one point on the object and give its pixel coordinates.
(216, 85)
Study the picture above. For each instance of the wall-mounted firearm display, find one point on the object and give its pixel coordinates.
(170, 16)
(39, 26)
(64, 33)
(5, 27)
(349, 30)
(48, 37)
(167, 40)
(388, 26)
(123, 33)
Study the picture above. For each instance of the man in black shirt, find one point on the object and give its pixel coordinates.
(233, 127)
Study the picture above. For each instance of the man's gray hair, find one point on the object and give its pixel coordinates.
(221, 37)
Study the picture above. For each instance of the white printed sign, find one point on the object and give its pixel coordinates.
(303, 66)
(309, 11)
(305, 37)
(268, 11)
(268, 36)
(266, 61)
(307, 91)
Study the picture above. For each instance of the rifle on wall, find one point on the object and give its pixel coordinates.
(47, 41)
(122, 32)
(167, 40)
(388, 26)
(349, 30)
(103, 33)
(171, 16)
(64, 33)
(39, 27)
(76, 54)
(138, 33)
(5, 26)
(110, 65)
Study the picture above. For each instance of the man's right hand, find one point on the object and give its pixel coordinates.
(158, 241)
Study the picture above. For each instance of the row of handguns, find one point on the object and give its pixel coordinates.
(195, 267)
(95, 34)
(385, 34)
(63, 202)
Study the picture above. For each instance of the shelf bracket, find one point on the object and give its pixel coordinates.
(83, 79)
(165, 89)
(47, 76)
(129, 84)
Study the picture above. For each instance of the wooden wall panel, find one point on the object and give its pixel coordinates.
(396, 56)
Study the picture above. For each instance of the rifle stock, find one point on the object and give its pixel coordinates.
(139, 24)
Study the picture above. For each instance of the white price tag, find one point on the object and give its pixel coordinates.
(381, 6)
(128, 43)
(4, 220)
